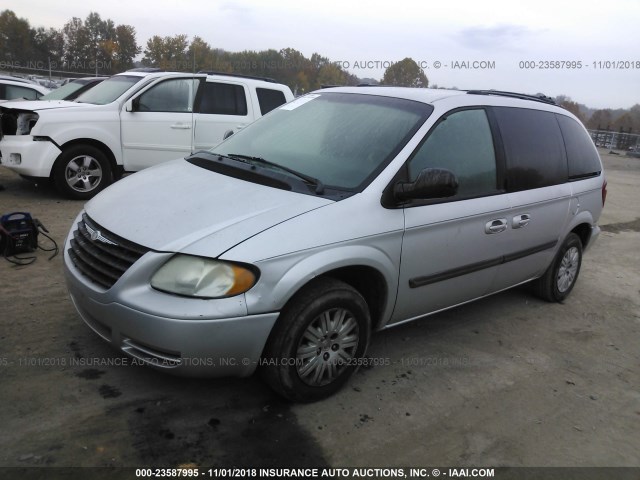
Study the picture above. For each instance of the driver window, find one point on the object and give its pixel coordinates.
(174, 95)
(462, 143)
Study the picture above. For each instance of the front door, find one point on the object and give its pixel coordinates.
(160, 127)
(451, 250)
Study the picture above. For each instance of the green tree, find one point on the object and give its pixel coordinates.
(626, 122)
(405, 73)
(169, 53)
(101, 40)
(600, 119)
(331, 74)
(199, 52)
(78, 51)
(574, 108)
(48, 45)
(126, 48)
(15, 39)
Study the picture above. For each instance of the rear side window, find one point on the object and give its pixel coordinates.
(269, 99)
(223, 99)
(533, 146)
(581, 153)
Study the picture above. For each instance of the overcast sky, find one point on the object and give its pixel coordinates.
(604, 36)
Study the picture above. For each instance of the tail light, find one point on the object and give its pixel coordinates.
(604, 192)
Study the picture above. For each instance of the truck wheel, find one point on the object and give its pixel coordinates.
(559, 279)
(81, 171)
(318, 342)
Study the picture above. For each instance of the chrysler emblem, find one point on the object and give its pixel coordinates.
(96, 235)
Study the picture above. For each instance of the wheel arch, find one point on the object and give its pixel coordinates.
(369, 283)
(583, 231)
(365, 268)
(117, 170)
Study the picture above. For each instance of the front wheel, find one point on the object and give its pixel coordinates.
(561, 276)
(81, 171)
(318, 341)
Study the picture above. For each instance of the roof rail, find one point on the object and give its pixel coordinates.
(227, 74)
(146, 69)
(536, 98)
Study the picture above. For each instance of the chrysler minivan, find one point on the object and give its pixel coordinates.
(343, 212)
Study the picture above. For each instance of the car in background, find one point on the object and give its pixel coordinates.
(130, 121)
(18, 79)
(12, 89)
(73, 89)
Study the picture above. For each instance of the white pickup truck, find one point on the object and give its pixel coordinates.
(130, 121)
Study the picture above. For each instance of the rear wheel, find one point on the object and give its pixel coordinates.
(561, 276)
(81, 171)
(317, 341)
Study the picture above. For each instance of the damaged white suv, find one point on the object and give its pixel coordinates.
(130, 121)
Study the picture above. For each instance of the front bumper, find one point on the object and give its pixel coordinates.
(36, 157)
(188, 337)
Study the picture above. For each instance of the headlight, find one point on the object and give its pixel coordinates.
(203, 277)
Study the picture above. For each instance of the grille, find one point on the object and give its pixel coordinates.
(101, 255)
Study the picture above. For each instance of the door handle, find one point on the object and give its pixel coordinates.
(181, 126)
(496, 226)
(520, 221)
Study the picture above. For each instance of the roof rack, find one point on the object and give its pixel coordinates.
(227, 74)
(536, 98)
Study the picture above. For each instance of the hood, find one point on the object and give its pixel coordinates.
(178, 206)
(34, 105)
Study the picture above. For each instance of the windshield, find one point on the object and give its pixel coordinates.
(63, 92)
(342, 139)
(109, 90)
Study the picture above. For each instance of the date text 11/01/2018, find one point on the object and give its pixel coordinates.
(579, 65)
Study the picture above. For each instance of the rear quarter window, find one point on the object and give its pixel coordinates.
(223, 99)
(582, 156)
(269, 99)
(534, 148)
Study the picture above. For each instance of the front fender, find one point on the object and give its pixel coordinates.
(62, 133)
(282, 277)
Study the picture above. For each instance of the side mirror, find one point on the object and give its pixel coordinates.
(227, 134)
(431, 183)
(128, 106)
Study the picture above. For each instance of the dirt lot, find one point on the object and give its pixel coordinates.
(507, 381)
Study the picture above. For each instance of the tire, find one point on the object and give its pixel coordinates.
(326, 328)
(81, 171)
(561, 276)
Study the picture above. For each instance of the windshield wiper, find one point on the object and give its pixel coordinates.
(250, 159)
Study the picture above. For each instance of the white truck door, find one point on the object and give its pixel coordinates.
(157, 125)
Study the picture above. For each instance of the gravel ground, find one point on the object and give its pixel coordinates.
(506, 381)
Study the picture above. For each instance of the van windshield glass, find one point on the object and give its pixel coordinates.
(109, 90)
(342, 139)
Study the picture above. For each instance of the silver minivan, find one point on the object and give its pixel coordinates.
(343, 212)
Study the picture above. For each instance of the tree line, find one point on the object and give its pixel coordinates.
(96, 45)
(618, 120)
(83, 46)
